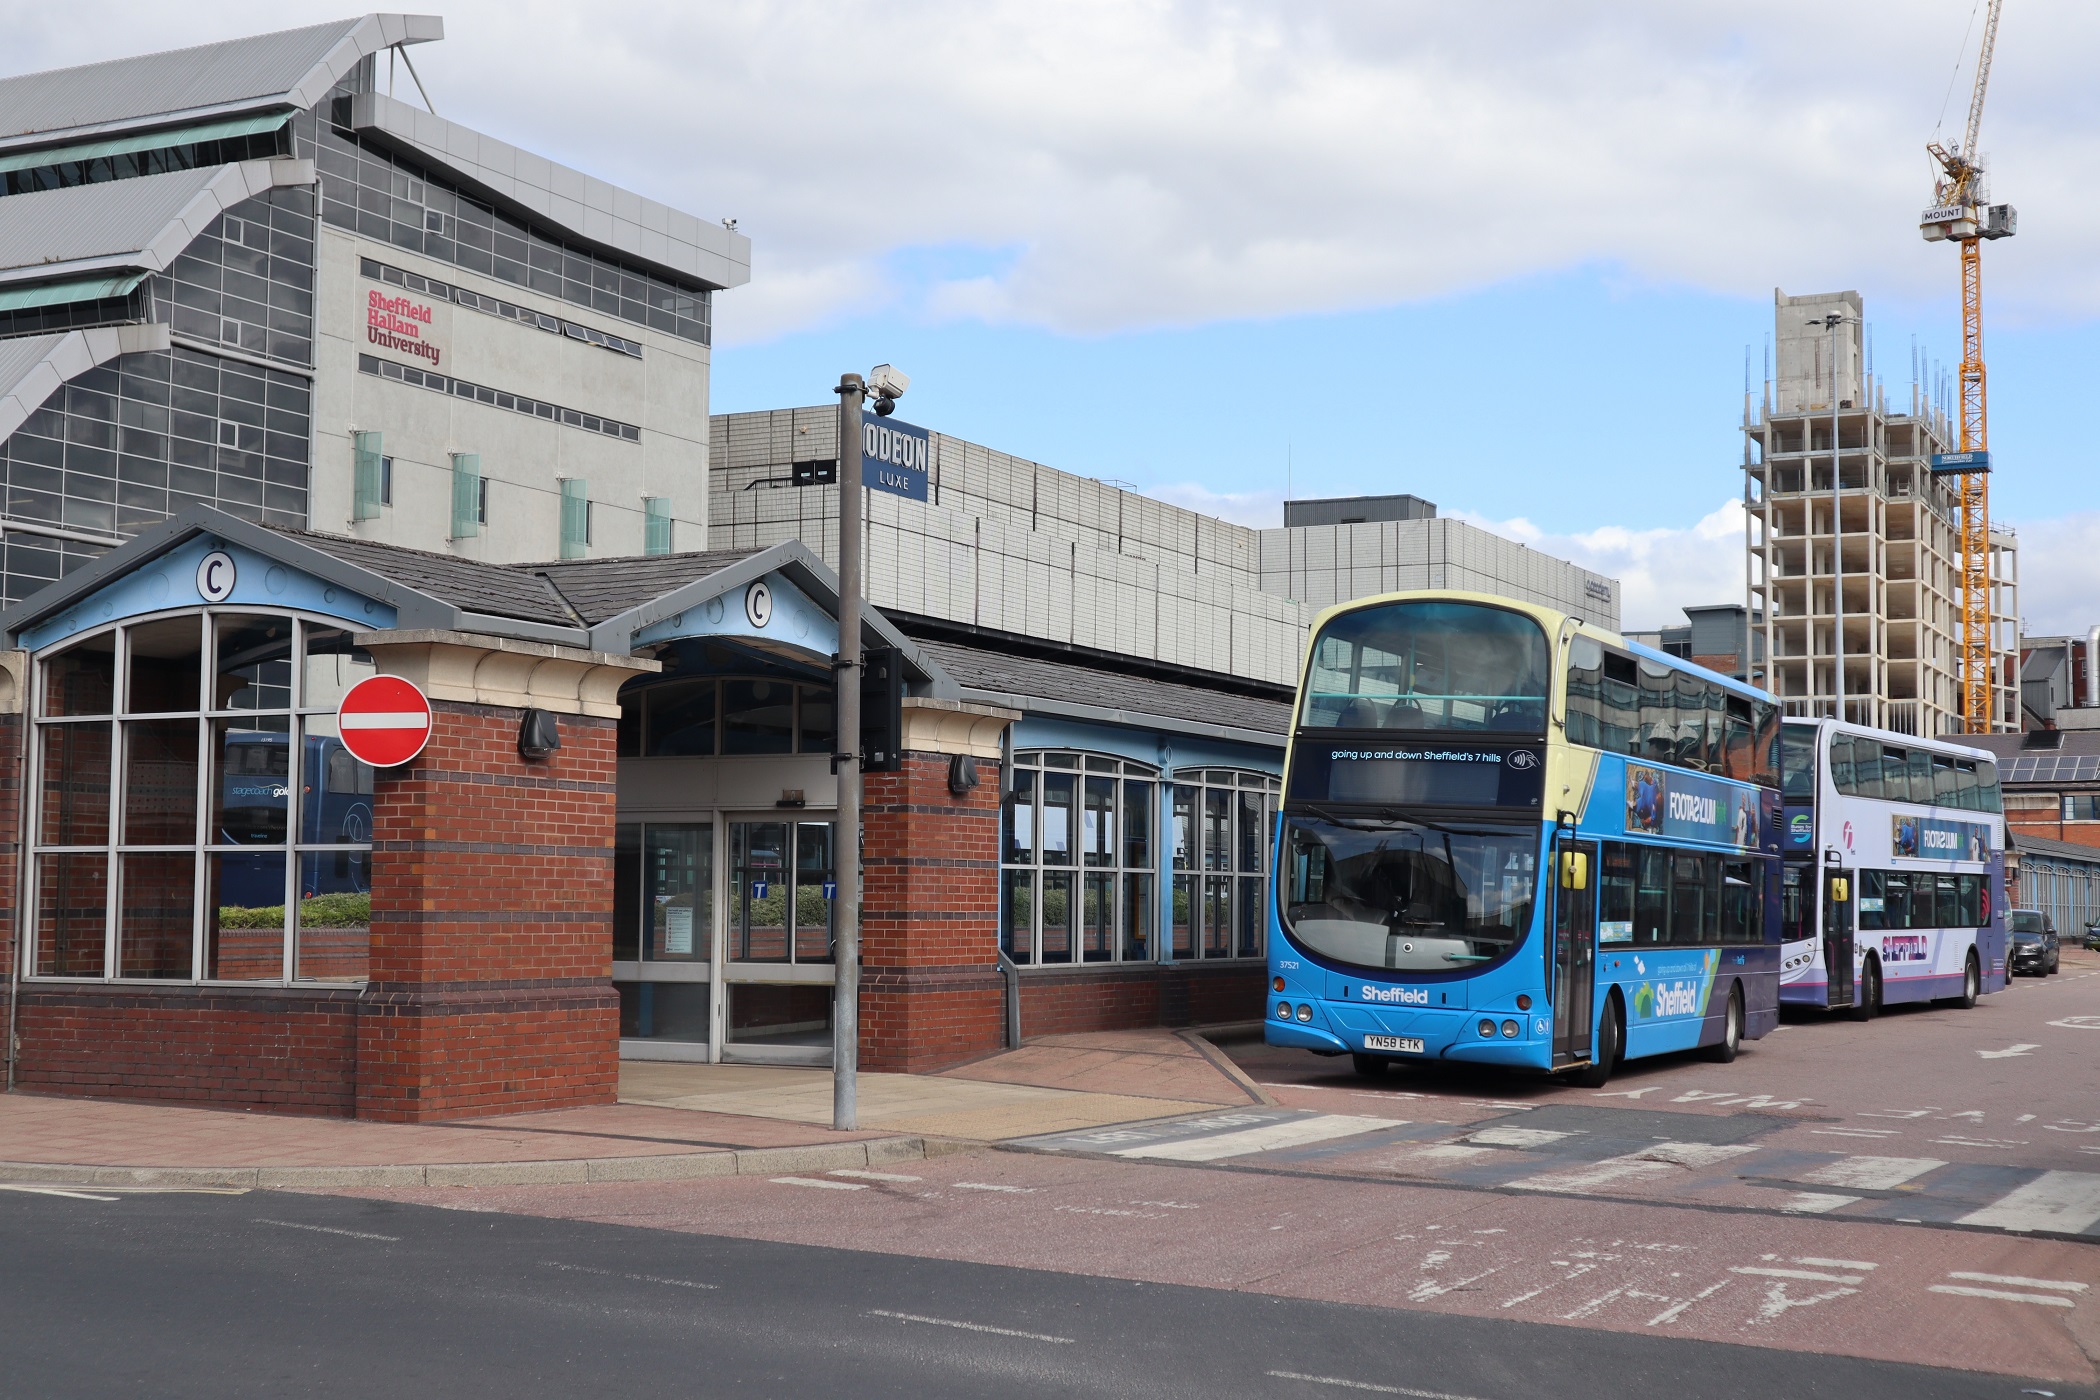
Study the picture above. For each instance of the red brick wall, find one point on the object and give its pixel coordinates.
(291, 1050)
(491, 924)
(1124, 998)
(931, 992)
(11, 730)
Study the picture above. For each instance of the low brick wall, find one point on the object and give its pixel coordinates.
(1126, 998)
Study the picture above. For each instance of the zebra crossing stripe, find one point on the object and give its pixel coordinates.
(1298, 1132)
(1871, 1173)
(2065, 1202)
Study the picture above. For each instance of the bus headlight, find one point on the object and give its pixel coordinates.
(1509, 1030)
(1487, 1027)
(1305, 1011)
(1283, 1011)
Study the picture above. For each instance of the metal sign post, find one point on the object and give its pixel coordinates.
(845, 1015)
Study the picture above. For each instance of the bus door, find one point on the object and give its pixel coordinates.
(1838, 905)
(1574, 969)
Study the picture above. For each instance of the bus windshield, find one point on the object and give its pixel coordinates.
(1407, 896)
(1797, 762)
(1428, 665)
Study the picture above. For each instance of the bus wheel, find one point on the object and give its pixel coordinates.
(1369, 1066)
(1611, 1042)
(1731, 1030)
(1866, 999)
(1971, 984)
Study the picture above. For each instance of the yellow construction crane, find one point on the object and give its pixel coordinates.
(1960, 213)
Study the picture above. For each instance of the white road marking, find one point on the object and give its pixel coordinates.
(970, 1326)
(1871, 1173)
(991, 1186)
(1857, 1132)
(1980, 1142)
(2063, 1201)
(1295, 1132)
(2079, 1023)
(67, 1192)
(1805, 1275)
(329, 1230)
(814, 1181)
(858, 1174)
(1367, 1385)
(1814, 1262)
(1647, 1163)
(1516, 1137)
(2058, 1283)
(2047, 1300)
(1816, 1202)
(2009, 1052)
(1778, 1301)
(631, 1278)
(1676, 1310)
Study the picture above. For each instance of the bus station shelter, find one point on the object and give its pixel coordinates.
(617, 842)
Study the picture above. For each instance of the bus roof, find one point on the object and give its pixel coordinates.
(1548, 618)
(1893, 736)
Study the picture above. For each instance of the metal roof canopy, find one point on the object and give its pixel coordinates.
(156, 140)
(291, 69)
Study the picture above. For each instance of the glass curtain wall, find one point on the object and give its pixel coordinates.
(197, 817)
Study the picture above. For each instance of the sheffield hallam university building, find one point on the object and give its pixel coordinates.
(301, 383)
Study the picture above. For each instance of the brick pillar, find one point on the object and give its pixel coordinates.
(931, 991)
(14, 672)
(490, 986)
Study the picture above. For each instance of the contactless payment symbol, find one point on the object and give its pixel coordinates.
(384, 721)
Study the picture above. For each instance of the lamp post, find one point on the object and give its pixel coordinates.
(887, 384)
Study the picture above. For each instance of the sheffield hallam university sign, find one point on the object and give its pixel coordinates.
(893, 456)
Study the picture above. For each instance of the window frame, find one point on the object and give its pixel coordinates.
(205, 843)
(1110, 869)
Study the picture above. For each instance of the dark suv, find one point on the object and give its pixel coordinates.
(2034, 945)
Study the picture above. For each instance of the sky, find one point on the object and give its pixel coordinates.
(1507, 257)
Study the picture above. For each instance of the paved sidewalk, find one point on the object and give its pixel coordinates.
(673, 1121)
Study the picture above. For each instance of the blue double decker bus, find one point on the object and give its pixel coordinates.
(1511, 838)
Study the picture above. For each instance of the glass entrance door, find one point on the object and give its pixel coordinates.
(777, 969)
(664, 925)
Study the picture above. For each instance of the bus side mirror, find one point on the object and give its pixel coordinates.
(1574, 870)
(1840, 889)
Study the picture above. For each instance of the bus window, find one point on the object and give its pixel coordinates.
(1967, 795)
(1943, 782)
(1766, 716)
(1970, 900)
(1738, 740)
(1658, 712)
(1797, 763)
(1796, 912)
(1651, 897)
(1742, 901)
(1872, 900)
(1841, 774)
(1615, 898)
(1895, 899)
(1428, 665)
(1921, 785)
(1987, 795)
(1948, 905)
(1620, 705)
(1585, 692)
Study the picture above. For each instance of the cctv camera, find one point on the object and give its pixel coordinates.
(888, 381)
(884, 407)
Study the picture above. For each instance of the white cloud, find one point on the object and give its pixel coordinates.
(1181, 161)
(2060, 574)
(1259, 510)
(1659, 571)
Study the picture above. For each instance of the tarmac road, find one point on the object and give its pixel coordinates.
(262, 1294)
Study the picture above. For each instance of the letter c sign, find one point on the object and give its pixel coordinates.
(215, 577)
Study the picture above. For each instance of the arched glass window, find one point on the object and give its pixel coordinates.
(1223, 821)
(1077, 860)
(196, 816)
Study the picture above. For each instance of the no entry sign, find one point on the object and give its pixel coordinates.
(384, 721)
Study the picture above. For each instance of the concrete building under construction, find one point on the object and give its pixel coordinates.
(1868, 567)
